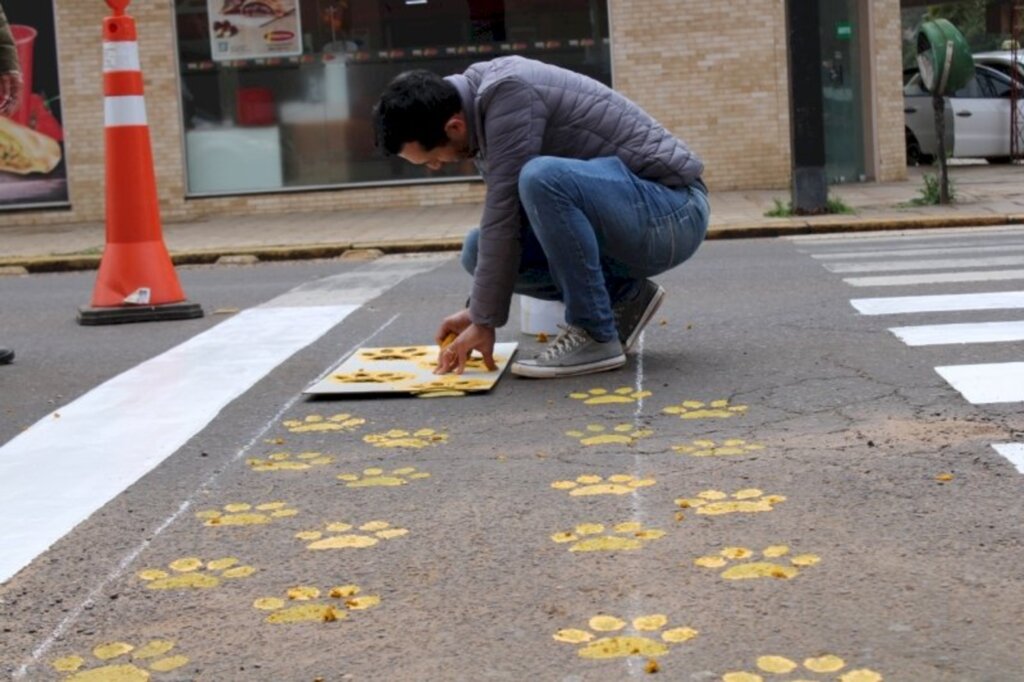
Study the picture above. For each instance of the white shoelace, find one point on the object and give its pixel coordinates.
(568, 340)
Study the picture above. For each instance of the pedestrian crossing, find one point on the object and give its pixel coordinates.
(941, 264)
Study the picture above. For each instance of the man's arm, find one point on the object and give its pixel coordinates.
(514, 122)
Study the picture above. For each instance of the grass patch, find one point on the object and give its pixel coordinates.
(931, 192)
(833, 206)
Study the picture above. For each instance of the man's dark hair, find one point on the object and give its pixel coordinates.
(414, 108)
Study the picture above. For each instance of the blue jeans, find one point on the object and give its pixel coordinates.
(593, 232)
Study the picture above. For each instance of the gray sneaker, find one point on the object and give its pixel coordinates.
(633, 314)
(573, 353)
(6, 356)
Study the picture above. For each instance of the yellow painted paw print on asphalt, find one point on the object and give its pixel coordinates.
(620, 434)
(695, 409)
(285, 461)
(602, 396)
(407, 353)
(594, 537)
(619, 484)
(121, 662)
(757, 569)
(370, 534)
(363, 376)
(378, 478)
(244, 514)
(709, 448)
(715, 502)
(315, 423)
(346, 598)
(649, 637)
(398, 438)
(192, 573)
(822, 665)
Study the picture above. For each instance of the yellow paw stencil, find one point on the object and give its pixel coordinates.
(709, 448)
(715, 502)
(594, 537)
(780, 665)
(363, 376)
(378, 478)
(314, 423)
(451, 382)
(370, 534)
(407, 353)
(345, 598)
(121, 662)
(244, 514)
(285, 461)
(695, 409)
(474, 363)
(620, 434)
(619, 484)
(751, 568)
(192, 573)
(618, 396)
(649, 637)
(397, 438)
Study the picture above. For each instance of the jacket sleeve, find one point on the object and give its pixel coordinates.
(513, 125)
(8, 53)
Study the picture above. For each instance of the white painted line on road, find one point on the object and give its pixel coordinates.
(1013, 452)
(972, 332)
(983, 384)
(935, 278)
(996, 300)
(130, 557)
(940, 264)
(882, 236)
(69, 464)
(955, 248)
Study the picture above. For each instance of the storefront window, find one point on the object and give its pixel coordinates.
(277, 94)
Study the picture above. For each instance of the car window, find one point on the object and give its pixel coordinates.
(970, 91)
(992, 87)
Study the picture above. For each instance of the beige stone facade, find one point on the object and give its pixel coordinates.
(715, 73)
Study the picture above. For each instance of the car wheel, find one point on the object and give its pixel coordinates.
(915, 157)
(999, 160)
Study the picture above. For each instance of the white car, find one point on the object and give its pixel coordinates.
(1001, 61)
(977, 119)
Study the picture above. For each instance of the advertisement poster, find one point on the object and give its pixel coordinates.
(32, 167)
(254, 29)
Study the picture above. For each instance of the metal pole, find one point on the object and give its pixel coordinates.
(807, 111)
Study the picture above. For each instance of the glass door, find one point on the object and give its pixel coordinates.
(841, 32)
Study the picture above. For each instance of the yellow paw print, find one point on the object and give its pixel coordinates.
(186, 573)
(619, 484)
(372, 533)
(315, 423)
(650, 638)
(620, 434)
(827, 664)
(397, 438)
(120, 659)
(709, 448)
(374, 477)
(243, 514)
(363, 376)
(695, 409)
(285, 461)
(407, 353)
(618, 396)
(474, 363)
(589, 537)
(347, 597)
(715, 502)
(450, 382)
(757, 569)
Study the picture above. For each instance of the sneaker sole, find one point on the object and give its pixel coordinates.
(534, 372)
(649, 311)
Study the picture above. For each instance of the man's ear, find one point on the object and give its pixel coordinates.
(455, 127)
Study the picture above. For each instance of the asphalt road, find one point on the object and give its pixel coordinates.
(843, 513)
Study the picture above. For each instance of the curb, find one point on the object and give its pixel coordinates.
(784, 227)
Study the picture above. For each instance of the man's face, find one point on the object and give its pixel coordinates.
(456, 150)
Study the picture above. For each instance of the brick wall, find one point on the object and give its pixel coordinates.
(714, 73)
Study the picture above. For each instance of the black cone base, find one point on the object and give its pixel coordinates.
(139, 313)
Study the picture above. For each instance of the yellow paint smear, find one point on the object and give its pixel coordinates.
(344, 542)
(111, 673)
(621, 647)
(238, 520)
(759, 569)
(607, 439)
(606, 544)
(199, 581)
(307, 612)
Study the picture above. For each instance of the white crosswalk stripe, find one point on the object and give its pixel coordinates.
(950, 258)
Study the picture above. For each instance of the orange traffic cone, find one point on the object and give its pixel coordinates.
(136, 280)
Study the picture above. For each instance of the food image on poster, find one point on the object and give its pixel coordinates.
(23, 150)
(251, 29)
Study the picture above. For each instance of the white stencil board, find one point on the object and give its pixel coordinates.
(409, 369)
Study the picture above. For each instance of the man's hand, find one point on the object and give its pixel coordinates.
(470, 337)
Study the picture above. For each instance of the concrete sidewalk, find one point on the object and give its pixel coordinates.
(987, 195)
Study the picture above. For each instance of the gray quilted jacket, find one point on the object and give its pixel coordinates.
(518, 109)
